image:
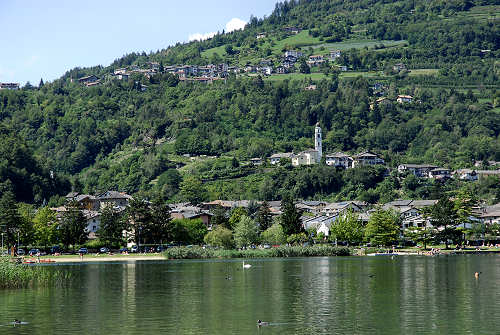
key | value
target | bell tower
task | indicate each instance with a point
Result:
(317, 142)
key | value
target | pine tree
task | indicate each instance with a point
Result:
(72, 227)
(9, 218)
(40, 85)
(264, 217)
(290, 219)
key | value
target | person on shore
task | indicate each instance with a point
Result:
(81, 256)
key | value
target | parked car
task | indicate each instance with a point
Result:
(104, 250)
(161, 248)
(134, 249)
(34, 252)
(83, 251)
(21, 252)
(55, 250)
(124, 250)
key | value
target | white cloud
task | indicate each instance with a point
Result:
(200, 37)
(235, 24)
(232, 25)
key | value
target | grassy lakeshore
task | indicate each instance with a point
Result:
(281, 251)
(13, 275)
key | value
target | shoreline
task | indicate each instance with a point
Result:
(91, 258)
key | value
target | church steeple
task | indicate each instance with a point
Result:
(317, 142)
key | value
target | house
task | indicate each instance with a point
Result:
(276, 158)
(113, 198)
(339, 159)
(315, 60)
(95, 83)
(439, 173)
(419, 170)
(281, 69)
(366, 158)
(292, 30)
(121, 76)
(334, 54)
(293, 53)
(492, 217)
(404, 99)
(266, 62)
(256, 161)
(88, 79)
(310, 88)
(487, 173)
(399, 67)
(320, 223)
(205, 216)
(343, 68)
(267, 70)
(9, 86)
(466, 174)
(378, 102)
(261, 35)
(307, 157)
(88, 202)
(93, 219)
(340, 207)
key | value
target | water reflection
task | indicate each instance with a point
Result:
(362, 295)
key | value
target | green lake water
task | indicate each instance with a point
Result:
(331, 295)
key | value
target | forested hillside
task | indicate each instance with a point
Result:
(134, 135)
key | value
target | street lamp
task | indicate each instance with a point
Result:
(2, 241)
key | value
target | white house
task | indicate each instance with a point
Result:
(334, 54)
(367, 158)
(339, 159)
(315, 60)
(308, 157)
(419, 170)
(276, 158)
(293, 53)
(466, 174)
(321, 223)
(439, 173)
(93, 222)
(404, 98)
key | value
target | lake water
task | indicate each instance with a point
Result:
(342, 295)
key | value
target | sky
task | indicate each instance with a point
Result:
(44, 39)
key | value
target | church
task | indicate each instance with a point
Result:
(310, 156)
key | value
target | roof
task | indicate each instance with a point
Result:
(418, 166)
(81, 197)
(365, 154)
(405, 96)
(439, 169)
(282, 155)
(491, 214)
(397, 203)
(113, 195)
(338, 155)
(71, 194)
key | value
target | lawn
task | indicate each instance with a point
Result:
(221, 51)
(421, 72)
(358, 44)
(302, 39)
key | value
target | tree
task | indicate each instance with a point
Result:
(192, 190)
(40, 85)
(72, 227)
(264, 217)
(219, 217)
(236, 215)
(303, 67)
(245, 232)
(139, 215)
(347, 227)
(383, 227)
(274, 235)
(26, 225)
(9, 218)
(45, 227)
(220, 237)
(161, 222)
(290, 219)
(112, 226)
(444, 217)
(419, 234)
(190, 231)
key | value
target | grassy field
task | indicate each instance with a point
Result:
(302, 39)
(421, 72)
(221, 51)
(357, 44)
(319, 76)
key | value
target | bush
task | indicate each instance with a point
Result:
(282, 251)
(14, 275)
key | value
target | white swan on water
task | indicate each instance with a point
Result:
(246, 266)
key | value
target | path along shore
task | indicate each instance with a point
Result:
(92, 258)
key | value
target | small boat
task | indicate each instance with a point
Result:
(47, 260)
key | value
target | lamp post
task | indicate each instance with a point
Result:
(2, 241)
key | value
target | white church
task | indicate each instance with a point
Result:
(310, 156)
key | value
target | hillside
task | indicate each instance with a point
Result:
(202, 109)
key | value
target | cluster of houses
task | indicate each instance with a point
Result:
(9, 86)
(367, 158)
(317, 216)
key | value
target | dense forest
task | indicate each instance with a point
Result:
(175, 135)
